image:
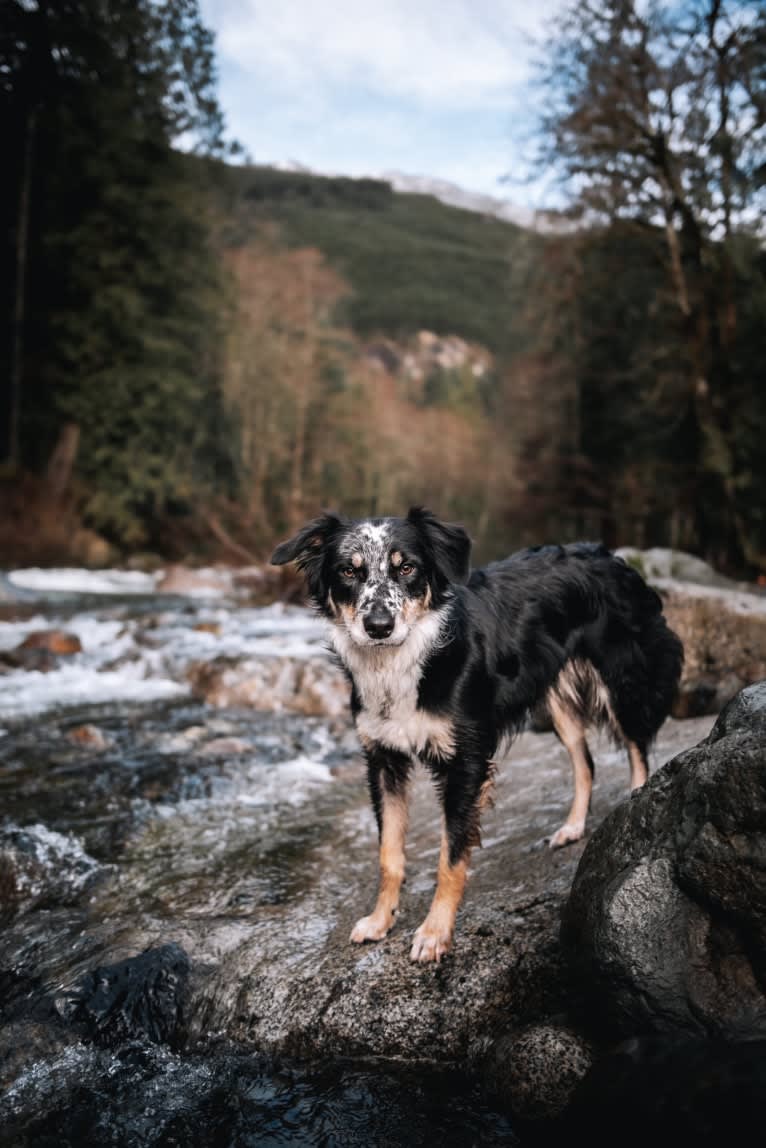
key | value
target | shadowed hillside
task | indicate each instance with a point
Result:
(411, 261)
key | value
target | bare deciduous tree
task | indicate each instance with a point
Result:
(656, 114)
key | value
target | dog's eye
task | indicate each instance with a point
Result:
(406, 568)
(349, 572)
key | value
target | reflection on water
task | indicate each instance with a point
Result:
(144, 1096)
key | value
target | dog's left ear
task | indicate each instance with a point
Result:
(449, 543)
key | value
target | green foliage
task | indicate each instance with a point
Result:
(412, 262)
(123, 319)
(625, 398)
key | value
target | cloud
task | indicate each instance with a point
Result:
(432, 87)
(435, 53)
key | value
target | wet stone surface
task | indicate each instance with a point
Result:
(203, 966)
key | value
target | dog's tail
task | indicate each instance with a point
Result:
(660, 647)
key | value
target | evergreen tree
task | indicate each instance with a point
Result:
(121, 278)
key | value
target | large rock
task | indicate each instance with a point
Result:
(721, 623)
(666, 922)
(188, 581)
(661, 564)
(258, 886)
(724, 637)
(59, 642)
(140, 997)
(266, 925)
(312, 686)
(39, 867)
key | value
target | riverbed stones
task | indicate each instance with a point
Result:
(311, 686)
(721, 623)
(536, 1071)
(665, 926)
(724, 637)
(203, 583)
(40, 867)
(141, 997)
(88, 736)
(59, 642)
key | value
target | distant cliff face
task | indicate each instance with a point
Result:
(426, 354)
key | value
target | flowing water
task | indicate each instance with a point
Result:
(139, 825)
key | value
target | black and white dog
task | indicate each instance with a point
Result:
(444, 665)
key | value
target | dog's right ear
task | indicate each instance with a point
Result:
(307, 547)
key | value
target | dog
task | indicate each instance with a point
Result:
(445, 663)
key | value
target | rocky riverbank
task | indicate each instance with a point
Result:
(180, 870)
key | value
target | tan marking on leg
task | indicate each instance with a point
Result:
(434, 937)
(394, 831)
(639, 770)
(572, 733)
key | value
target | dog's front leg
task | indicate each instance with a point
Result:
(466, 791)
(434, 937)
(388, 775)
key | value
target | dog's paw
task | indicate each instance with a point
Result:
(568, 833)
(430, 944)
(372, 928)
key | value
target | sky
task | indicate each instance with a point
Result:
(437, 88)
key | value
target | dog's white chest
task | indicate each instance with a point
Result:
(396, 722)
(387, 682)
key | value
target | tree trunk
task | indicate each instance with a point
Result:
(61, 463)
(19, 307)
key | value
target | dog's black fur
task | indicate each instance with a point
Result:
(443, 663)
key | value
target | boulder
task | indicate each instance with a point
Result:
(39, 867)
(724, 637)
(663, 564)
(287, 980)
(225, 747)
(59, 642)
(312, 686)
(721, 623)
(88, 737)
(665, 926)
(536, 1071)
(213, 628)
(140, 997)
(40, 651)
(185, 580)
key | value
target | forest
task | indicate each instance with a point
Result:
(200, 351)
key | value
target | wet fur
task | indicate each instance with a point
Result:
(472, 654)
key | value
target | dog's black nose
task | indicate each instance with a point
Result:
(379, 623)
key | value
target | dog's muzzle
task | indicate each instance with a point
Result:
(379, 623)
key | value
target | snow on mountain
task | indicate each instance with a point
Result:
(456, 196)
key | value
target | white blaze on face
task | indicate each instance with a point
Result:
(369, 545)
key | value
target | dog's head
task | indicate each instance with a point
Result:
(376, 577)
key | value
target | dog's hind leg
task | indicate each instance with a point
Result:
(639, 767)
(570, 728)
(388, 774)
